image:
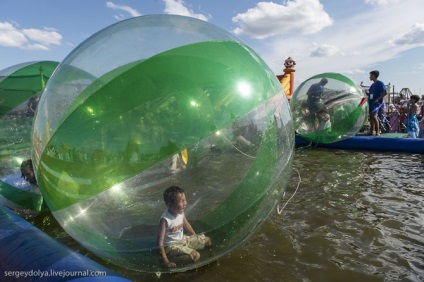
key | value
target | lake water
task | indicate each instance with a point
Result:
(356, 216)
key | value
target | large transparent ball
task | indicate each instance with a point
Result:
(328, 107)
(156, 101)
(20, 89)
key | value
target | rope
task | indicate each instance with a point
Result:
(279, 211)
(237, 148)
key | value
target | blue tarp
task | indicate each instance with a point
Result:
(370, 143)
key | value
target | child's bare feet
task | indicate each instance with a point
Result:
(208, 242)
(195, 256)
(170, 264)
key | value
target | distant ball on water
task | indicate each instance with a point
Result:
(156, 101)
(328, 107)
(20, 88)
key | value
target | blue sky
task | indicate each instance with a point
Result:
(351, 37)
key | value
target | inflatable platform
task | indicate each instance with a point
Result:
(28, 254)
(390, 142)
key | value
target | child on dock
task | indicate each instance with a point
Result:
(412, 120)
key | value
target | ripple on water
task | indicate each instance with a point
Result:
(363, 215)
(356, 217)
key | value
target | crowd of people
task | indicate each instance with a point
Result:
(404, 116)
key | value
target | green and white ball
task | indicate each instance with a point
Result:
(344, 109)
(119, 111)
(20, 88)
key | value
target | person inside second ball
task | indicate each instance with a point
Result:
(176, 247)
(315, 102)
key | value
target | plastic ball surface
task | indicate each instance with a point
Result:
(20, 89)
(328, 107)
(152, 102)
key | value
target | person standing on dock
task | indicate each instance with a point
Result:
(376, 95)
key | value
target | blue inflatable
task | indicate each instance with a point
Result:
(369, 143)
(28, 254)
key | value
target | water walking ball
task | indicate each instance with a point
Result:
(152, 102)
(20, 88)
(328, 107)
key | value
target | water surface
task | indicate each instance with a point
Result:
(356, 216)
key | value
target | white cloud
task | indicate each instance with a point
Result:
(413, 37)
(325, 50)
(133, 12)
(381, 2)
(47, 37)
(356, 71)
(36, 47)
(177, 7)
(10, 36)
(35, 39)
(355, 44)
(295, 16)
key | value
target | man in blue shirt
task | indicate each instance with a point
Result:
(376, 95)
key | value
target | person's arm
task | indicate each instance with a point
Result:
(412, 109)
(367, 92)
(384, 94)
(160, 239)
(420, 113)
(310, 90)
(30, 107)
(381, 97)
(187, 227)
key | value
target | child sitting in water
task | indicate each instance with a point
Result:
(173, 244)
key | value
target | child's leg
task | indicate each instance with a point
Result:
(182, 254)
(186, 251)
(198, 242)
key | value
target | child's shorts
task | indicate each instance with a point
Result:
(186, 246)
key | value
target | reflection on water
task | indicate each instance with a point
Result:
(357, 216)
